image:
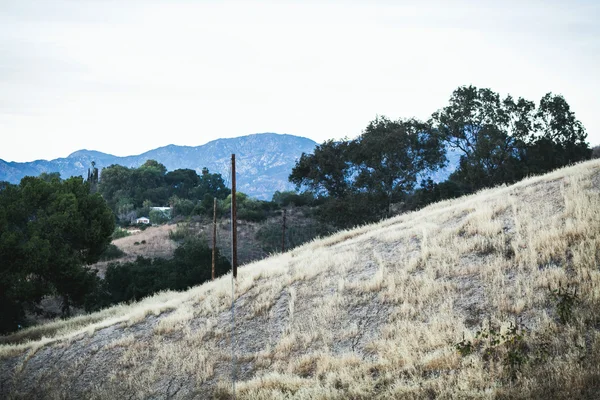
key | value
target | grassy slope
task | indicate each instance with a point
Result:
(374, 312)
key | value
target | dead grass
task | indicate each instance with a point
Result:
(374, 312)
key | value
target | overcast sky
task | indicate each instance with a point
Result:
(126, 76)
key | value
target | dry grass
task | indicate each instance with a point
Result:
(374, 312)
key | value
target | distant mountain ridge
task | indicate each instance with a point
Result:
(263, 161)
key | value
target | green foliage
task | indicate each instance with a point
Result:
(49, 230)
(352, 210)
(596, 152)
(566, 299)
(464, 347)
(158, 217)
(500, 140)
(290, 198)
(488, 132)
(361, 178)
(509, 348)
(181, 207)
(390, 155)
(191, 265)
(119, 233)
(131, 192)
(248, 209)
(178, 234)
(111, 253)
(327, 171)
(431, 192)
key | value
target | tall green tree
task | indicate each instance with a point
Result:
(50, 230)
(211, 184)
(559, 138)
(391, 155)
(489, 133)
(182, 182)
(327, 171)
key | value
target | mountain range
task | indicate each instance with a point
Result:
(263, 161)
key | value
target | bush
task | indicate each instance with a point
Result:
(111, 253)
(119, 233)
(158, 217)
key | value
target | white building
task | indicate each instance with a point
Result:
(142, 220)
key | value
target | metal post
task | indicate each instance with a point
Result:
(214, 247)
(283, 233)
(233, 220)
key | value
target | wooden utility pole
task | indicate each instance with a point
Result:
(214, 249)
(283, 233)
(233, 220)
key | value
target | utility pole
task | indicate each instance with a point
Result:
(233, 220)
(233, 271)
(214, 249)
(283, 233)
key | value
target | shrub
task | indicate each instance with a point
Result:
(120, 233)
(565, 298)
(111, 253)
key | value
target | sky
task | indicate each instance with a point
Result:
(127, 76)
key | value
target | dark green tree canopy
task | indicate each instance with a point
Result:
(504, 140)
(327, 171)
(390, 155)
(499, 140)
(49, 230)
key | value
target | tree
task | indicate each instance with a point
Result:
(181, 182)
(559, 139)
(490, 133)
(327, 171)
(391, 155)
(49, 232)
(116, 183)
(211, 184)
(157, 217)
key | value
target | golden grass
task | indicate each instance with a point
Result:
(374, 312)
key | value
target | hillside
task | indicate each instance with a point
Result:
(263, 161)
(256, 240)
(390, 310)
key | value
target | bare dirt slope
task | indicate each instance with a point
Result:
(494, 295)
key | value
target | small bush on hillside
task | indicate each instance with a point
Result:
(566, 299)
(120, 233)
(181, 233)
(112, 252)
(509, 348)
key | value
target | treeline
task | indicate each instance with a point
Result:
(131, 192)
(388, 167)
